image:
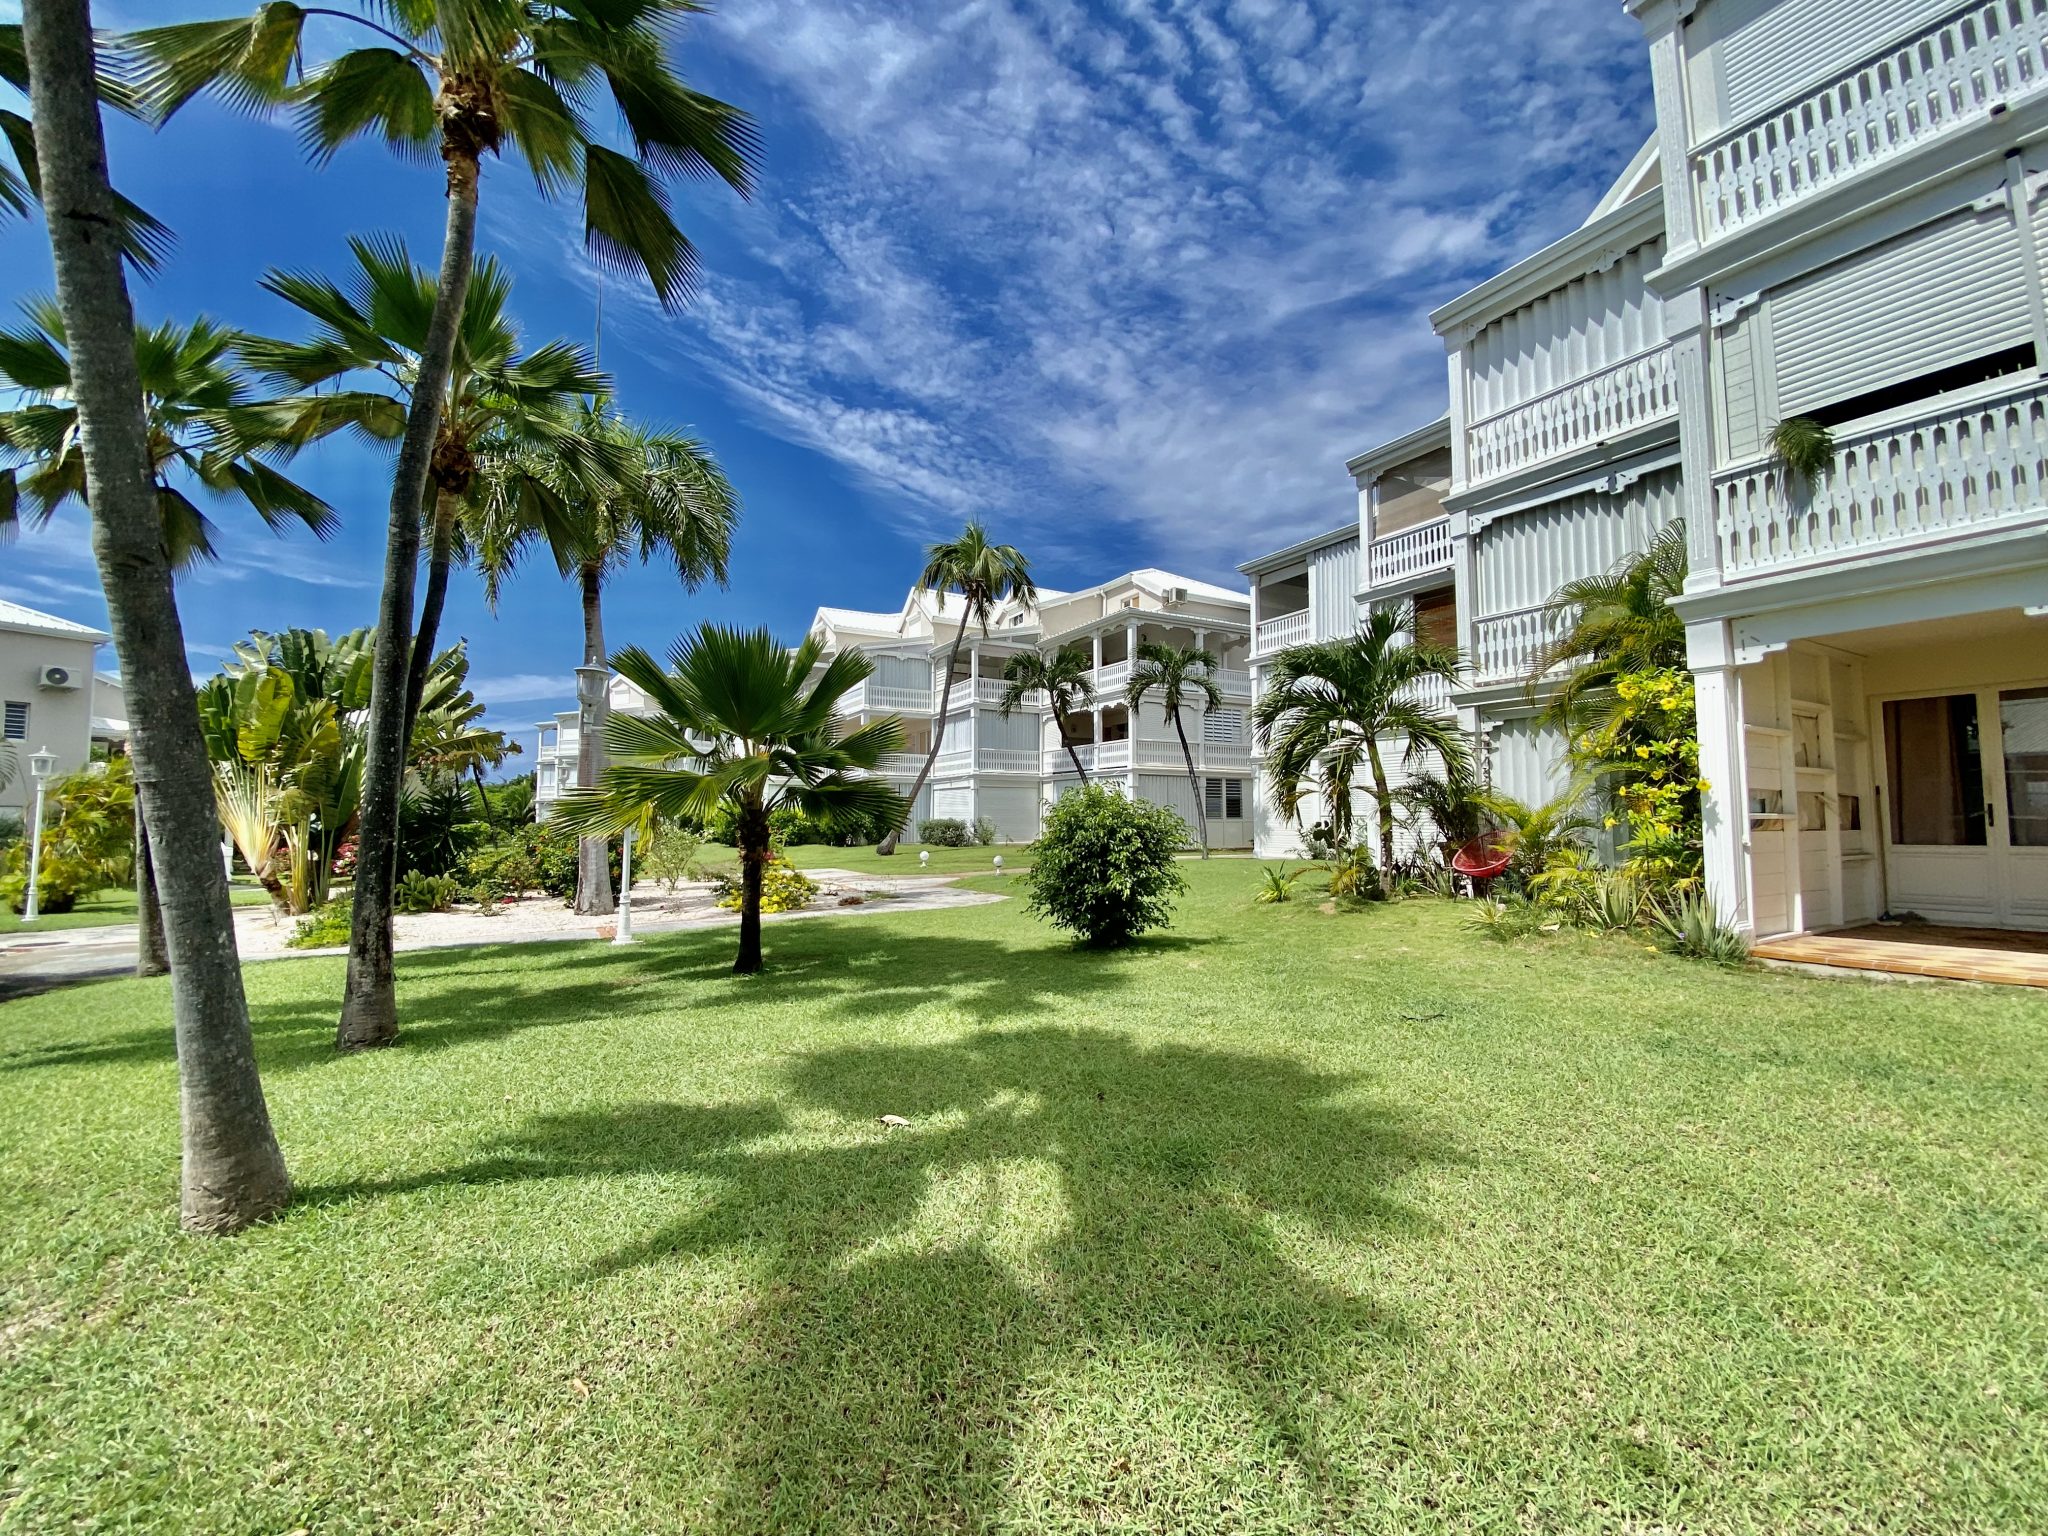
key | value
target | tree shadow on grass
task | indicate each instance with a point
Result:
(1085, 1265)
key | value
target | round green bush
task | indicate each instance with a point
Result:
(1104, 869)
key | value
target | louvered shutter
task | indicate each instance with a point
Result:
(1752, 55)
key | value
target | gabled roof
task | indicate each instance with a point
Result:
(16, 619)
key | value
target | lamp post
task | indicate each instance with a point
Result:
(40, 766)
(624, 932)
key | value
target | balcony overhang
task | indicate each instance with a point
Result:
(1593, 248)
(1297, 554)
(1609, 467)
(1375, 462)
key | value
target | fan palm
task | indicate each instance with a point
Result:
(1617, 622)
(738, 726)
(463, 78)
(145, 241)
(1182, 678)
(1066, 680)
(208, 432)
(1329, 706)
(650, 494)
(984, 575)
(497, 399)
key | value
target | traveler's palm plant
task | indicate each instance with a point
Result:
(1181, 679)
(462, 79)
(738, 726)
(1336, 706)
(1067, 681)
(1608, 625)
(984, 575)
(209, 433)
(641, 493)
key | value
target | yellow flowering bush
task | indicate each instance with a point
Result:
(1647, 753)
(784, 888)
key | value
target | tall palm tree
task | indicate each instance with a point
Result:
(985, 575)
(207, 431)
(649, 494)
(497, 399)
(1066, 680)
(1329, 706)
(1617, 622)
(1182, 678)
(145, 241)
(463, 78)
(739, 726)
(233, 1172)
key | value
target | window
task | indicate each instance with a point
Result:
(1223, 727)
(2023, 720)
(1223, 798)
(15, 727)
(1935, 758)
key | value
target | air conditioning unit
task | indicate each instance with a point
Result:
(1176, 595)
(59, 677)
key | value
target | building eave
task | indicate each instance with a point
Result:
(1410, 445)
(1302, 550)
(1588, 249)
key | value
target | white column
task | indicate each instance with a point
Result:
(1724, 804)
(624, 933)
(1675, 133)
(1685, 320)
(973, 733)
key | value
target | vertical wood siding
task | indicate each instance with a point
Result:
(1333, 590)
(1588, 325)
(1524, 558)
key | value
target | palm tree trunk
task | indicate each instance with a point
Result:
(755, 851)
(1201, 806)
(938, 738)
(151, 957)
(1383, 808)
(440, 552)
(593, 854)
(369, 1004)
(233, 1172)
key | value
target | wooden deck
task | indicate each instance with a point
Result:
(1999, 956)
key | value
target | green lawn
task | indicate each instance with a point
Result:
(109, 908)
(945, 861)
(1285, 1222)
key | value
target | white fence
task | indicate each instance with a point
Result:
(1596, 409)
(1411, 552)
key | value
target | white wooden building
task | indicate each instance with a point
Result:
(1836, 220)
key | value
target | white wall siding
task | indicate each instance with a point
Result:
(1948, 292)
(1333, 591)
(1589, 324)
(1745, 56)
(1522, 559)
(1739, 361)
(903, 671)
(1014, 808)
(1175, 793)
(1527, 759)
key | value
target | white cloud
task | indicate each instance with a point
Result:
(522, 688)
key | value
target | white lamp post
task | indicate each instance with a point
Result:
(924, 858)
(40, 766)
(624, 932)
(999, 863)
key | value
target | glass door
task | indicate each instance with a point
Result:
(2023, 764)
(1938, 819)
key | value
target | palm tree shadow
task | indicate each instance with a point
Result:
(1067, 1212)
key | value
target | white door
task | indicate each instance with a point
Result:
(1965, 810)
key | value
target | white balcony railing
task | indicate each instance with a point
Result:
(1597, 409)
(1278, 634)
(1943, 470)
(874, 698)
(1432, 693)
(1110, 678)
(1504, 644)
(987, 760)
(1234, 684)
(1977, 57)
(1411, 552)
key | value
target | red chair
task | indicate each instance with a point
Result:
(1485, 857)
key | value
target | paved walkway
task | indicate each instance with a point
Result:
(39, 962)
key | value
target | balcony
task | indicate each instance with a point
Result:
(1505, 644)
(1279, 633)
(1111, 756)
(1941, 470)
(1599, 408)
(987, 760)
(872, 697)
(1976, 58)
(1432, 693)
(1411, 552)
(1110, 678)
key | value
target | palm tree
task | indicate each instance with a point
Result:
(233, 1172)
(985, 575)
(207, 432)
(1181, 677)
(1617, 622)
(463, 78)
(1066, 680)
(145, 241)
(1328, 707)
(653, 494)
(739, 727)
(496, 400)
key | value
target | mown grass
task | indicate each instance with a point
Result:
(108, 909)
(1283, 1222)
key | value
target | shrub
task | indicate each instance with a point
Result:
(942, 832)
(1103, 868)
(554, 851)
(1353, 877)
(325, 927)
(88, 840)
(506, 867)
(1276, 883)
(784, 888)
(984, 831)
(1694, 927)
(437, 825)
(417, 892)
(1511, 917)
(670, 857)
(789, 827)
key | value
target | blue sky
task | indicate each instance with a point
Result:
(1127, 279)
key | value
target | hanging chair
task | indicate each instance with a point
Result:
(1484, 857)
